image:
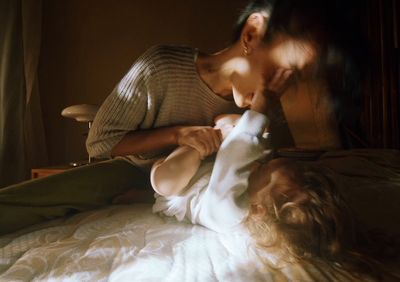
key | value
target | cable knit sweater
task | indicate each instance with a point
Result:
(162, 88)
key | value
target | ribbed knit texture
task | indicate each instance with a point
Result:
(162, 88)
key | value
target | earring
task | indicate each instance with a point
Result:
(245, 49)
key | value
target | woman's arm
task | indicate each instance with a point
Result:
(204, 139)
(171, 175)
(118, 128)
(145, 141)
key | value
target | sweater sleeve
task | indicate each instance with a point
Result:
(225, 202)
(123, 110)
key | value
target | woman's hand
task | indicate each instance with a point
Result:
(266, 97)
(205, 139)
(280, 81)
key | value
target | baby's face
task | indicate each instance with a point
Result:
(273, 176)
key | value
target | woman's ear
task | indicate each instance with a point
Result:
(253, 32)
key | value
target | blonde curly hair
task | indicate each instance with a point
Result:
(308, 220)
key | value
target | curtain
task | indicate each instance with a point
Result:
(21, 127)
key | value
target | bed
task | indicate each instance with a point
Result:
(130, 243)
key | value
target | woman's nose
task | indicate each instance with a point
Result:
(243, 103)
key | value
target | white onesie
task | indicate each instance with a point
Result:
(216, 196)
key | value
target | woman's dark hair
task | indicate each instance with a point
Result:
(257, 6)
(342, 49)
(295, 18)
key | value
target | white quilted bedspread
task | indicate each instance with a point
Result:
(129, 243)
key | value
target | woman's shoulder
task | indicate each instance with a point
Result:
(168, 53)
(161, 60)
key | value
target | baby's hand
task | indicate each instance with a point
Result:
(226, 123)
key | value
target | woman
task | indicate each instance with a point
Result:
(170, 97)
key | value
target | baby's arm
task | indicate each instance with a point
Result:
(171, 175)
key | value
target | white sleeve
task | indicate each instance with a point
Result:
(225, 203)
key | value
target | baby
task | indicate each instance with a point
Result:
(291, 205)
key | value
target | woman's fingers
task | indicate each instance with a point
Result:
(276, 78)
(265, 97)
(204, 139)
(280, 80)
(212, 141)
(201, 147)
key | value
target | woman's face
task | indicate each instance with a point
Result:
(255, 70)
(246, 80)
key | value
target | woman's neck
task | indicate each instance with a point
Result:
(215, 72)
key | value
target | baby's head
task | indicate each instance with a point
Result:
(295, 207)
